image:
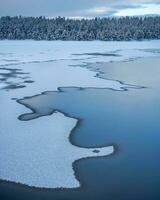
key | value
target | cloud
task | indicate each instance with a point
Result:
(145, 9)
(71, 8)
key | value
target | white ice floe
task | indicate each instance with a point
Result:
(52, 75)
(19, 52)
(38, 152)
(43, 143)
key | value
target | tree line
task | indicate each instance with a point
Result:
(60, 28)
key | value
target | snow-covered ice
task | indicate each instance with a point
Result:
(38, 152)
(17, 52)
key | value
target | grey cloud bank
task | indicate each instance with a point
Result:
(76, 8)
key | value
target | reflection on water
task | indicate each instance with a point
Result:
(128, 119)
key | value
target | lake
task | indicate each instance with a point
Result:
(111, 89)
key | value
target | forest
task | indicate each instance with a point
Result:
(60, 28)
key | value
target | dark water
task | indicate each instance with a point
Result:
(128, 119)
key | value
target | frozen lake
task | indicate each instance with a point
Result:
(36, 148)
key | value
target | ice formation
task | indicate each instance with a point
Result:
(38, 152)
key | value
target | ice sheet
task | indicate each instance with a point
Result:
(38, 152)
(19, 52)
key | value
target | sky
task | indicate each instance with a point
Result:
(79, 8)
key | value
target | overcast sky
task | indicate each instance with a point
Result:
(79, 8)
